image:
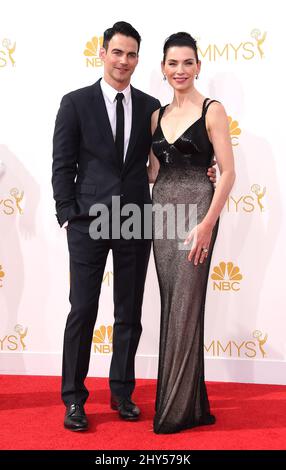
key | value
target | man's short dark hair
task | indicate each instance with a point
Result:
(121, 27)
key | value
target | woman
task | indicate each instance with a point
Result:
(186, 135)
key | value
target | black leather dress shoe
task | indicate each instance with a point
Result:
(126, 408)
(75, 418)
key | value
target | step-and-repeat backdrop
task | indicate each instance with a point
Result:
(49, 49)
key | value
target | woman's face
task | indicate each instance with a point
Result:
(181, 67)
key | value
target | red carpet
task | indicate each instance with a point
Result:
(248, 417)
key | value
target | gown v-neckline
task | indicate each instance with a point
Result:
(181, 135)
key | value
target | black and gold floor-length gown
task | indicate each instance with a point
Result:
(182, 400)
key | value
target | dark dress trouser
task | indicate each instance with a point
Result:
(87, 264)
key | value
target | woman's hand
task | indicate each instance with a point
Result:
(201, 236)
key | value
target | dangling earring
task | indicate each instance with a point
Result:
(197, 77)
(164, 77)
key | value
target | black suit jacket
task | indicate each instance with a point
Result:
(85, 165)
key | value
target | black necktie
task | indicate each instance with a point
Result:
(119, 138)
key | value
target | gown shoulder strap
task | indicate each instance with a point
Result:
(206, 105)
(161, 112)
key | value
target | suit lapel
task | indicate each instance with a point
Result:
(137, 118)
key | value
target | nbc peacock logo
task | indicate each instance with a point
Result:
(91, 52)
(7, 49)
(226, 277)
(102, 339)
(234, 131)
(2, 275)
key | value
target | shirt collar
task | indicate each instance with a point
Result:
(111, 93)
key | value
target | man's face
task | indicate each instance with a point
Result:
(120, 60)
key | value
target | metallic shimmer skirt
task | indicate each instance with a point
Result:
(181, 400)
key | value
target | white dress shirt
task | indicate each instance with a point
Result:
(109, 95)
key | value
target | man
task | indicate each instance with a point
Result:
(101, 143)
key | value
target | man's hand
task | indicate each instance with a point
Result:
(212, 172)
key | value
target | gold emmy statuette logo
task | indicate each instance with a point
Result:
(6, 54)
(102, 339)
(22, 332)
(247, 203)
(255, 188)
(107, 278)
(2, 274)
(234, 131)
(15, 193)
(92, 52)
(226, 277)
(261, 341)
(256, 34)
(238, 348)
